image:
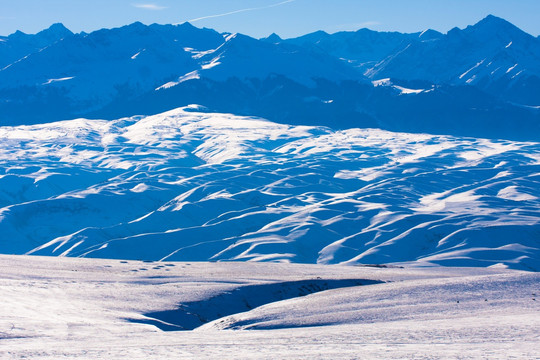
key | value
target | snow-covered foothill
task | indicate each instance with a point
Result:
(190, 185)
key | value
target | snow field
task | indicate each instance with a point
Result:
(84, 308)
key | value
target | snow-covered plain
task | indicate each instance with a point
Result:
(193, 186)
(55, 308)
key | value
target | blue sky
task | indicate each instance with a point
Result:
(259, 18)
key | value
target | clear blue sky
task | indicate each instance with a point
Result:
(259, 18)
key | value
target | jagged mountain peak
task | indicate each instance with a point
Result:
(186, 25)
(492, 20)
(54, 33)
(58, 28)
(273, 38)
(320, 33)
(19, 44)
(317, 34)
(17, 35)
(494, 26)
(241, 41)
(137, 27)
(429, 34)
(364, 31)
(166, 36)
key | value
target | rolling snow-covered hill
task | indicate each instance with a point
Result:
(191, 185)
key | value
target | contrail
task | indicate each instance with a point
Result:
(240, 11)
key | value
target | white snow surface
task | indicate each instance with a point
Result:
(110, 309)
(50, 81)
(193, 186)
(402, 90)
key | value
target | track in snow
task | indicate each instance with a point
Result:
(191, 315)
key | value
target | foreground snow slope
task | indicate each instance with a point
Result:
(187, 185)
(89, 309)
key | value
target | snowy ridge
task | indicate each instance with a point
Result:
(188, 185)
(401, 89)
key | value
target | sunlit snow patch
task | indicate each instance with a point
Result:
(511, 193)
(50, 81)
(194, 75)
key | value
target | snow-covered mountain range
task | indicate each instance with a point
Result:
(493, 55)
(136, 224)
(481, 81)
(337, 166)
(190, 185)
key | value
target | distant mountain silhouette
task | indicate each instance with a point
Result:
(493, 55)
(481, 81)
(18, 45)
